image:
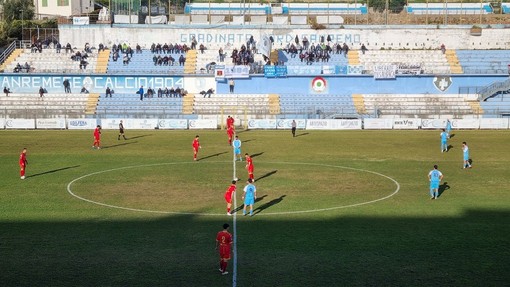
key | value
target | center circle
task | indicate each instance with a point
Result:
(283, 187)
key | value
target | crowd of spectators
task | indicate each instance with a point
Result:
(169, 48)
(26, 68)
(320, 52)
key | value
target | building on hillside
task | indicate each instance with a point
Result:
(66, 8)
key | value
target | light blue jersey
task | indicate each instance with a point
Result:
(249, 197)
(237, 146)
(448, 127)
(444, 141)
(465, 151)
(435, 178)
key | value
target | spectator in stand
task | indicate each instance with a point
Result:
(69, 49)
(101, 47)
(443, 48)
(125, 59)
(58, 47)
(221, 54)
(160, 93)
(363, 49)
(345, 49)
(182, 60)
(138, 49)
(83, 64)
(108, 92)
(193, 43)
(231, 85)
(87, 48)
(7, 91)
(150, 92)
(41, 92)
(171, 92)
(26, 67)
(84, 90)
(115, 56)
(201, 48)
(67, 86)
(140, 92)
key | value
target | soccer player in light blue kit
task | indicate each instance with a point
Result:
(249, 196)
(444, 141)
(448, 127)
(237, 149)
(435, 177)
(465, 152)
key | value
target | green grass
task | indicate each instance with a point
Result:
(50, 238)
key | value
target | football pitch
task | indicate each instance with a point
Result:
(334, 208)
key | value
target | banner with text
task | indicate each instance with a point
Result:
(378, 124)
(81, 124)
(262, 124)
(20, 124)
(406, 124)
(30, 83)
(333, 124)
(203, 124)
(487, 123)
(433, 124)
(286, 124)
(384, 72)
(130, 124)
(172, 124)
(466, 124)
(50, 124)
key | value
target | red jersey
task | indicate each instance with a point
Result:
(224, 238)
(230, 131)
(97, 133)
(228, 194)
(196, 143)
(23, 159)
(230, 122)
(249, 162)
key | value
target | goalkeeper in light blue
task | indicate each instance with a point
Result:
(435, 177)
(444, 141)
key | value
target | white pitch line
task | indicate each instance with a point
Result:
(234, 223)
(69, 190)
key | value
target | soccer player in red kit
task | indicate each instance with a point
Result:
(230, 122)
(249, 166)
(23, 162)
(230, 133)
(97, 137)
(224, 241)
(228, 196)
(196, 146)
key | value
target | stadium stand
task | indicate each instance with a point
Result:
(130, 106)
(407, 61)
(143, 62)
(275, 9)
(253, 104)
(49, 106)
(417, 105)
(484, 61)
(497, 106)
(44, 62)
(505, 8)
(449, 8)
(332, 105)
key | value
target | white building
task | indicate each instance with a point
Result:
(66, 8)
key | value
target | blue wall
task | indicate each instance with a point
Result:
(356, 84)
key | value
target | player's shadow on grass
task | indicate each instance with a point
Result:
(442, 188)
(452, 135)
(240, 207)
(267, 175)
(117, 145)
(212, 155)
(449, 148)
(135, 137)
(303, 134)
(257, 154)
(245, 141)
(53, 171)
(268, 204)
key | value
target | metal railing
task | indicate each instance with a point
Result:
(493, 89)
